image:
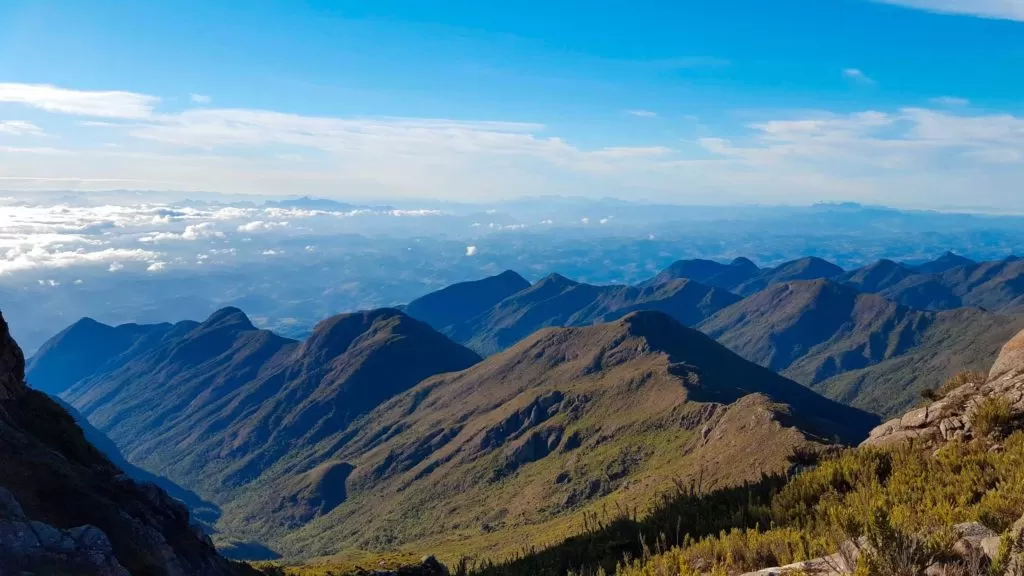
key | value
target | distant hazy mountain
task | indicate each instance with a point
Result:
(859, 348)
(947, 283)
(810, 268)
(877, 277)
(742, 276)
(564, 420)
(947, 261)
(460, 302)
(85, 347)
(726, 276)
(558, 301)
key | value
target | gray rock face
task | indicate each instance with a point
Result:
(953, 417)
(35, 547)
(12, 365)
(65, 509)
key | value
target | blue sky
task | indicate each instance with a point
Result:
(902, 102)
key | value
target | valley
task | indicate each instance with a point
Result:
(496, 416)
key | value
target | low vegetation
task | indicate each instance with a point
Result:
(993, 416)
(902, 501)
(959, 379)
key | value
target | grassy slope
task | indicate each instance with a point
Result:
(645, 397)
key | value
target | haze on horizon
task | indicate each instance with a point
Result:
(904, 103)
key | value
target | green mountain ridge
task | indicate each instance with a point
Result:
(341, 441)
(861, 349)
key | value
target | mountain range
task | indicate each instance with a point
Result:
(341, 440)
(873, 337)
(497, 414)
(558, 301)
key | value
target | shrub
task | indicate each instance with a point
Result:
(961, 378)
(993, 415)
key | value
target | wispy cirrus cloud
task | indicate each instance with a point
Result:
(950, 101)
(642, 113)
(20, 128)
(857, 75)
(892, 156)
(103, 104)
(200, 98)
(996, 9)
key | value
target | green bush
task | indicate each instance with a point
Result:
(993, 416)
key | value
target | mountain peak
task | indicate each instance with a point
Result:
(334, 335)
(228, 316)
(743, 262)
(460, 302)
(649, 323)
(512, 276)
(947, 261)
(556, 279)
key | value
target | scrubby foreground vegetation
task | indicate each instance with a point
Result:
(905, 502)
(901, 509)
(901, 506)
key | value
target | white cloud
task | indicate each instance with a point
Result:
(470, 250)
(38, 257)
(20, 128)
(191, 233)
(642, 113)
(585, 220)
(950, 101)
(260, 225)
(857, 75)
(910, 156)
(202, 230)
(200, 98)
(103, 104)
(115, 266)
(893, 156)
(272, 252)
(156, 266)
(997, 9)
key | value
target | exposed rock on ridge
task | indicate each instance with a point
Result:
(956, 415)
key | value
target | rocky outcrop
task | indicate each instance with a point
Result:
(975, 551)
(429, 566)
(32, 546)
(957, 415)
(66, 509)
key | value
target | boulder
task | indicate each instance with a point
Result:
(950, 419)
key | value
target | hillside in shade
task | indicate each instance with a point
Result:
(460, 302)
(216, 406)
(558, 301)
(67, 509)
(861, 349)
